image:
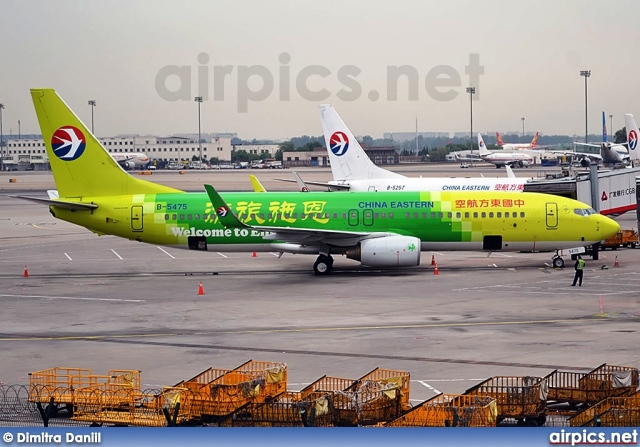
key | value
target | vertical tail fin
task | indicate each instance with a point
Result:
(632, 137)
(348, 160)
(81, 166)
(499, 139)
(482, 147)
(534, 142)
(604, 129)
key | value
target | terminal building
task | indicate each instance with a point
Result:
(29, 154)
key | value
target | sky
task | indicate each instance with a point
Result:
(263, 67)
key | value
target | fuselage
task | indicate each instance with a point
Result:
(510, 184)
(491, 221)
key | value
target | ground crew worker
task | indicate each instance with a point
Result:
(579, 267)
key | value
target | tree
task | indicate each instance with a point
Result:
(620, 136)
(287, 146)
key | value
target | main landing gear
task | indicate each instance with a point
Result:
(323, 265)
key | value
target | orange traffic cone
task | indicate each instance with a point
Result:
(254, 255)
(433, 259)
(200, 289)
(616, 264)
(435, 270)
(26, 272)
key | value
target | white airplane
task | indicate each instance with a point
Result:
(610, 153)
(516, 146)
(353, 170)
(501, 159)
(130, 160)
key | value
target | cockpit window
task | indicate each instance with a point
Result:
(584, 211)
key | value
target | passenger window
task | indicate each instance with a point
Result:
(383, 215)
(407, 216)
(174, 217)
(440, 215)
(499, 214)
(390, 215)
(344, 215)
(166, 217)
(506, 214)
(189, 217)
(416, 215)
(483, 215)
(522, 214)
(449, 214)
(491, 214)
(475, 214)
(375, 215)
(466, 214)
(197, 216)
(181, 216)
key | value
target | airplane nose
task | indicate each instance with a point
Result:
(608, 226)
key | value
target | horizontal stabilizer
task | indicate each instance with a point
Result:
(73, 206)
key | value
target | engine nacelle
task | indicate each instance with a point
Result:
(388, 251)
(128, 165)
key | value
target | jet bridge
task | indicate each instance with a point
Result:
(613, 194)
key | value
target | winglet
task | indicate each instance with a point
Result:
(224, 213)
(510, 173)
(301, 184)
(257, 186)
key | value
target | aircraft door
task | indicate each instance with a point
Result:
(136, 217)
(353, 218)
(552, 215)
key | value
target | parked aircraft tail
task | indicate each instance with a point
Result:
(499, 139)
(80, 164)
(534, 142)
(348, 160)
(482, 147)
(604, 129)
(632, 137)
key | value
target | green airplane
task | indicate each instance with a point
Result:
(379, 229)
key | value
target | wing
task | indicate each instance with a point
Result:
(333, 186)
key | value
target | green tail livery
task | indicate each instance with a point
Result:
(379, 229)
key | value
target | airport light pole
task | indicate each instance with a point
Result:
(471, 91)
(611, 125)
(1, 140)
(586, 74)
(198, 99)
(92, 103)
(522, 126)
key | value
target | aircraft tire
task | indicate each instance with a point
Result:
(558, 262)
(323, 265)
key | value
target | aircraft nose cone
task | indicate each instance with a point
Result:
(608, 226)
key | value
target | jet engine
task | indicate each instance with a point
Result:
(388, 251)
(128, 165)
